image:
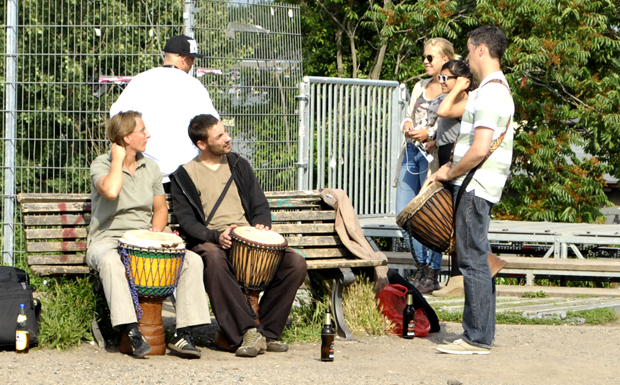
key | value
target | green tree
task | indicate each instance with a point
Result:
(562, 63)
(563, 66)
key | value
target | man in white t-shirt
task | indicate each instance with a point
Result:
(486, 119)
(168, 98)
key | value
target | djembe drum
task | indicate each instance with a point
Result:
(153, 262)
(255, 256)
(429, 218)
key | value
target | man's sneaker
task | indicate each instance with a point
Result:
(451, 339)
(139, 345)
(183, 345)
(253, 344)
(461, 347)
(277, 346)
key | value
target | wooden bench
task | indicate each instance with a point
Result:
(56, 225)
(530, 267)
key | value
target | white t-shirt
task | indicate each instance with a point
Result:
(489, 106)
(168, 99)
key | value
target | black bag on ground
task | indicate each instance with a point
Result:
(15, 290)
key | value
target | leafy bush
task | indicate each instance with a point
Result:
(68, 307)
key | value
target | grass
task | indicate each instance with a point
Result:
(361, 312)
(359, 307)
(68, 306)
(599, 316)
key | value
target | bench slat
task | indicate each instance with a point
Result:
(71, 259)
(321, 228)
(308, 194)
(44, 270)
(57, 220)
(64, 233)
(62, 207)
(284, 203)
(51, 197)
(286, 216)
(322, 252)
(316, 264)
(50, 247)
(329, 240)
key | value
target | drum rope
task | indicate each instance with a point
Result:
(418, 264)
(249, 301)
(132, 286)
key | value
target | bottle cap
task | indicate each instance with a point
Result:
(21, 306)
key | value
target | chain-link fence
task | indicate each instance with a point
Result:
(65, 63)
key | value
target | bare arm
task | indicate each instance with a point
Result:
(483, 137)
(160, 213)
(453, 105)
(109, 186)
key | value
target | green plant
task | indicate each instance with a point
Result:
(591, 317)
(68, 307)
(538, 294)
(307, 322)
(360, 309)
(595, 316)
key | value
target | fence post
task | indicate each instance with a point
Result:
(303, 136)
(188, 23)
(11, 123)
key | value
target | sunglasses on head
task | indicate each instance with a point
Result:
(427, 57)
(444, 78)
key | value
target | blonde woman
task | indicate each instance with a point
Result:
(127, 194)
(419, 126)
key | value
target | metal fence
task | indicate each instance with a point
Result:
(349, 138)
(64, 63)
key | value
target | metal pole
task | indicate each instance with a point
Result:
(302, 141)
(11, 127)
(188, 23)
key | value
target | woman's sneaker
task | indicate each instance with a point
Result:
(139, 345)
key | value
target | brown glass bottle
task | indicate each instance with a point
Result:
(327, 339)
(22, 336)
(409, 318)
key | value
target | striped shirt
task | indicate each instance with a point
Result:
(489, 106)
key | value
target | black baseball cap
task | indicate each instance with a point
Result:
(182, 45)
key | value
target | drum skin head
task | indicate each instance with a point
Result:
(145, 238)
(261, 236)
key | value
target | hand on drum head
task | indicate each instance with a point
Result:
(440, 175)
(225, 240)
(154, 229)
(259, 226)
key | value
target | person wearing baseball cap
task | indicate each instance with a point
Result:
(182, 45)
(168, 98)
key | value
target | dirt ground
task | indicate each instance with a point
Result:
(522, 355)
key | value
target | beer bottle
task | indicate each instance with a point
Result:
(22, 336)
(327, 339)
(409, 318)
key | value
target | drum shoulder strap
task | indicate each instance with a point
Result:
(219, 200)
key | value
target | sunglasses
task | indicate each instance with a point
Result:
(444, 78)
(427, 57)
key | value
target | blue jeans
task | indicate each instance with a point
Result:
(413, 172)
(472, 246)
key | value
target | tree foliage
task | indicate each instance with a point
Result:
(562, 64)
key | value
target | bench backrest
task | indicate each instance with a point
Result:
(56, 226)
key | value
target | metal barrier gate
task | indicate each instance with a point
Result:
(349, 138)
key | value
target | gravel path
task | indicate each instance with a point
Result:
(522, 355)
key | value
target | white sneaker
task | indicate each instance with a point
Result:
(461, 347)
